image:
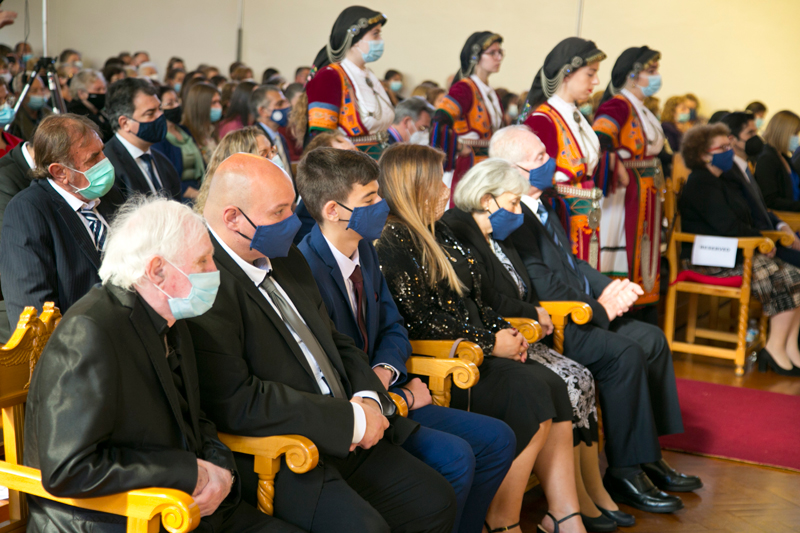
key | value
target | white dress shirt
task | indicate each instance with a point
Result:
(27, 155)
(346, 266)
(77, 204)
(584, 134)
(654, 135)
(374, 106)
(533, 204)
(257, 272)
(136, 153)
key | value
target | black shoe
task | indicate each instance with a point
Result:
(598, 524)
(640, 493)
(622, 518)
(667, 478)
(765, 361)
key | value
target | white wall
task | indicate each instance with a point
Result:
(728, 52)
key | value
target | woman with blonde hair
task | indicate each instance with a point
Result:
(675, 121)
(248, 140)
(434, 280)
(201, 110)
(775, 175)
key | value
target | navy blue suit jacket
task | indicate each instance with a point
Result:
(386, 332)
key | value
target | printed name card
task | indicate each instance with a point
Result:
(714, 251)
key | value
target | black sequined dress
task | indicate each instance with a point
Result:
(524, 395)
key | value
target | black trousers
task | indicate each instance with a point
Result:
(244, 518)
(380, 490)
(632, 367)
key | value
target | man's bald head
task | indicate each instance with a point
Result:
(514, 144)
(247, 186)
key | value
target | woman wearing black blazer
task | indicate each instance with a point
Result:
(710, 204)
(488, 188)
(774, 173)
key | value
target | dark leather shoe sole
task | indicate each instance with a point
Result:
(681, 487)
(664, 508)
(622, 518)
(598, 524)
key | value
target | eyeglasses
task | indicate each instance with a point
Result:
(496, 53)
(720, 149)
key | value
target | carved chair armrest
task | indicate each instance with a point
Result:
(762, 244)
(579, 312)
(402, 406)
(779, 237)
(529, 328)
(465, 374)
(300, 453)
(144, 508)
(466, 350)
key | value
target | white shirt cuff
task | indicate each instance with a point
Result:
(781, 225)
(395, 373)
(360, 423)
(359, 418)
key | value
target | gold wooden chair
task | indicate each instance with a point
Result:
(739, 293)
(791, 218)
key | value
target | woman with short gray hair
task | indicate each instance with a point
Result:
(488, 211)
(88, 91)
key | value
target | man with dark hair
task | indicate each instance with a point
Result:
(340, 188)
(271, 110)
(134, 110)
(301, 75)
(54, 231)
(412, 120)
(746, 145)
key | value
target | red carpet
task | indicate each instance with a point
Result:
(737, 423)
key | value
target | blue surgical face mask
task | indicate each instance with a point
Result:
(177, 87)
(6, 114)
(504, 222)
(26, 58)
(794, 143)
(375, 52)
(200, 299)
(542, 177)
(36, 102)
(100, 177)
(586, 109)
(653, 85)
(276, 239)
(396, 86)
(759, 123)
(723, 161)
(215, 114)
(153, 132)
(683, 117)
(281, 116)
(369, 220)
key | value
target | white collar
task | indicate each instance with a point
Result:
(27, 155)
(741, 163)
(491, 101)
(653, 132)
(75, 203)
(135, 152)
(346, 264)
(256, 273)
(532, 203)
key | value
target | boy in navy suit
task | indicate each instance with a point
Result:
(340, 190)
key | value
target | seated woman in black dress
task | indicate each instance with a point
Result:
(775, 174)
(435, 283)
(488, 210)
(713, 204)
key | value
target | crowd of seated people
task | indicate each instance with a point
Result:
(224, 264)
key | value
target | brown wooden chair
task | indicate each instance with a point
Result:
(714, 288)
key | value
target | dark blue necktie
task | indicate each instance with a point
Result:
(148, 161)
(97, 227)
(544, 216)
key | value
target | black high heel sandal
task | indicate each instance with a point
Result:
(765, 360)
(555, 522)
(499, 529)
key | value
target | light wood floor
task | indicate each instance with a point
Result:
(737, 497)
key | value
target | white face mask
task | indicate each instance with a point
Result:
(420, 137)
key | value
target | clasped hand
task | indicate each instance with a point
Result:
(509, 343)
(376, 423)
(618, 297)
(213, 486)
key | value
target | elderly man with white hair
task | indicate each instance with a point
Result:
(630, 360)
(113, 404)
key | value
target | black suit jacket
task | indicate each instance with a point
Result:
(550, 271)
(129, 177)
(46, 253)
(103, 415)
(14, 176)
(763, 219)
(498, 287)
(775, 181)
